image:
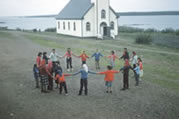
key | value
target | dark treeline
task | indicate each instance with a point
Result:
(148, 13)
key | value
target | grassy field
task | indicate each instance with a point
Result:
(157, 96)
(160, 62)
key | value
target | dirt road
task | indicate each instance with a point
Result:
(20, 100)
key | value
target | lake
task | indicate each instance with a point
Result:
(156, 22)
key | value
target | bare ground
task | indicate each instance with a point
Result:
(20, 100)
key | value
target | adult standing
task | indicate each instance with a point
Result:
(44, 76)
(50, 79)
(125, 54)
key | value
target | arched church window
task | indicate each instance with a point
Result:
(103, 14)
(112, 25)
(88, 26)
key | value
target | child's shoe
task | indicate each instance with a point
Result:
(68, 70)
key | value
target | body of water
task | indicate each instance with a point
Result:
(156, 22)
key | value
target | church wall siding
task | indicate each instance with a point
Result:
(70, 31)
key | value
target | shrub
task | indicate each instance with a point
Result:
(168, 30)
(130, 29)
(150, 30)
(177, 32)
(34, 30)
(18, 29)
(50, 30)
(143, 39)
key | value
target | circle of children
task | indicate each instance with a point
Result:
(47, 69)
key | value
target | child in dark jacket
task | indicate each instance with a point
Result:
(84, 78)
(57, 68)
(62, 81)
(125, 70)
(36, 75)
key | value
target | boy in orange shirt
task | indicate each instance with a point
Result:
(61, 79)
(109, 77)
(83, 57)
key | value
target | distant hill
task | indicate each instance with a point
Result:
(148, 13)
(37, 16)
(126, 14)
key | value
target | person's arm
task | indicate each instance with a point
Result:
(76, 73)
(121, 69)
(50, 56)
(67, 74)
(87, 56)
(100, 55)
(122, 57)
(48, 72)
(90, 72)
(93, 55)
(115, 71)
(65, 55)
(101, 73)
(116, 57)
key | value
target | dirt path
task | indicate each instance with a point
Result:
(20, 100)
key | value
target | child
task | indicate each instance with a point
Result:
(97, 56)
(141, 67)
(57, 68)
(109, 77)
(83, 57)
(125, 54)
(61, 79)
(36, 75)
(68, 56)
(137, 74)
(125, 70)
(54, 57)
(38, 59)
(112, 58)
(45, 57)
(84, 78)
(134, 59)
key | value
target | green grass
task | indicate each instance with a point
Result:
(4, 34)
(159, 68)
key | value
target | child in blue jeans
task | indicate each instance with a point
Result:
(36, 75)
(137, 74)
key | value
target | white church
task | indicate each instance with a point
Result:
(88, 18)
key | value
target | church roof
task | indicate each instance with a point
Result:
(75, 9)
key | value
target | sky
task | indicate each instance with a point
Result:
(45, 7)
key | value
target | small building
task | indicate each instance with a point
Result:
(86, 18)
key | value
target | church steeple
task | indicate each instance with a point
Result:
(102, 13)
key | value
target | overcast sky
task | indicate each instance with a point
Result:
(42, 7)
